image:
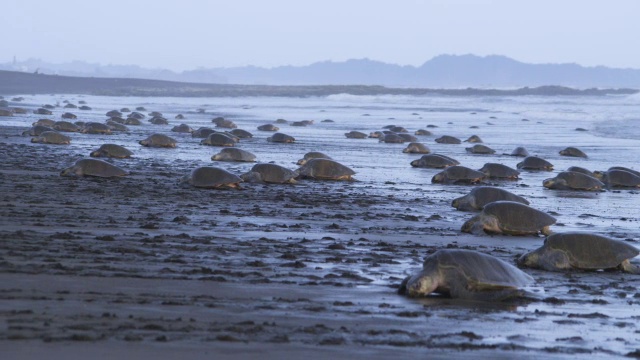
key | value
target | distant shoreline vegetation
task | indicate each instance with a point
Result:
(12, 82)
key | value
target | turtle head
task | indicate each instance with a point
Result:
(96, 153)
(475, 225)
(418, 285)
(549, 183)
(438, 178)
(415, 163)
(529, 259)
(72, 171)
(600, 175)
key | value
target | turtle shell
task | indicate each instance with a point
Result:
(573, 180)
(520, 151)
(95, 128)
(572, 151)
(581, 170)
(474, 139)
(37, 130)
(268, 127)
(212, 177)
(44, 122)
(271, 173)
(621, 178)
(535, 163)
(457, 174)
(480, 149)
(446, 139)
(480, 196)
(480, 271)
(416, 148)
(281, 138)
(355, 135)
(392, 138)
(159, 120)
(93, 167)
(437, 161)
(112, 150)
(133, 121)
(182, 128)
(202, 132)
(313, 155)
(325, 169)
(423, 132)
(241, 134)
(234, 154)
(159, 140)
(499, 171)
(218, 139)
(591, 251)
(408, 137)
(515, 217)
(51, 137)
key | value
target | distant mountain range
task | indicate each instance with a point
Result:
(444, 71)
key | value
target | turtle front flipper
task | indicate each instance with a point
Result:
(627, 266)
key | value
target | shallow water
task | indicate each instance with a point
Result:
(576, 323)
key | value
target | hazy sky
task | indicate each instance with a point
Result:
(187, 34)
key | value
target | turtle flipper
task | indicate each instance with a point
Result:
(627, 266)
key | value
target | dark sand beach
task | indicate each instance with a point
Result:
(145, 267)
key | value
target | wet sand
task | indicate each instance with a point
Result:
(144, 267)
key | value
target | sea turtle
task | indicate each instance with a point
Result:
(125, 110)
(133, 121)
(480, 196)
(203, 132)
(327, 121)
(281, 138)
(466, 274)
(570, 180)
(211, 177)
(581, 170)
(159, 120)
(117, 119)
(42, 111)
(136, 115)
(51, 137)
(65, 126)
(241, 134)
(392, 138)
(458, 175)
(93, 167)
(355, 135)
(268, 127)
(437, 161)
(578, 250)
(70, 106)
(223, 123)
(234, 154)
(572, 151)
(155, 113)
(376, 134)
(520, 151)
(95, 128)
(474, 139)
(36, 130)
(398, 129)
(85, 107)
(116, 126)
(45, 122)
(509, 217)
(423, 132)
(618, 178)
(6, 112)
(182, 128)
(113, 113)
(480, 149)
(68, 115)
(218, 139)
(313, 155)
(111, 150)
(141, 108)
(281, 121)
(408, 137)
(432, 126)
(179, 117)
(446, 139)
(499, 171)
(325, 169)
(416, 148)
(159, 140)
(270, 173)
(535, 163)
(636, 172)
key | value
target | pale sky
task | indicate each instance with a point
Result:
(187, 34)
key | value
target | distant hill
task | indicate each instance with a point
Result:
(444, 71)
(15, 82)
